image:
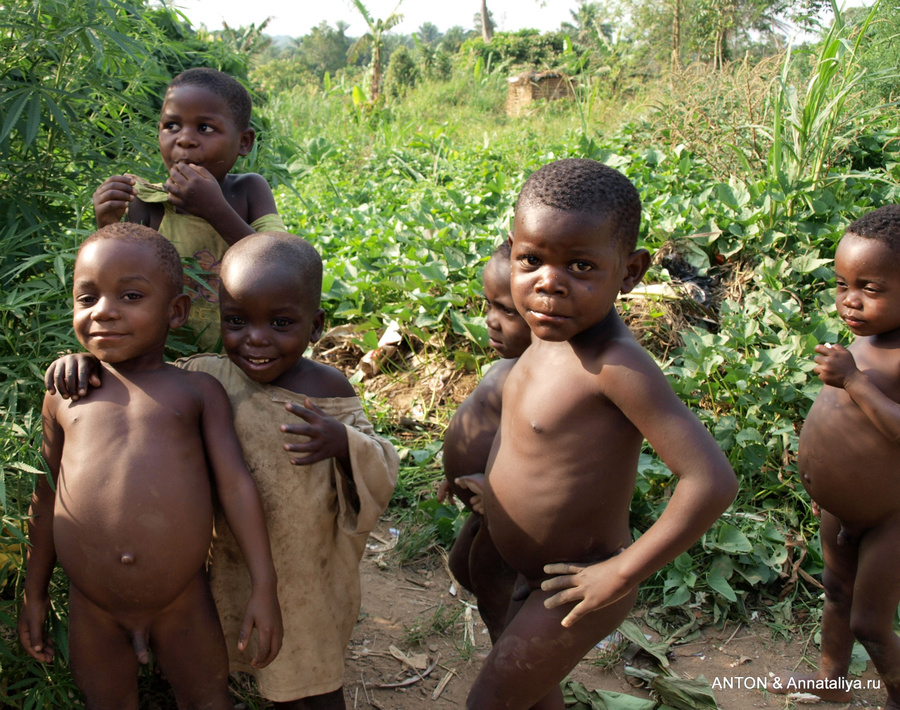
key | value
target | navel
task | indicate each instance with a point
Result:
(127, 558)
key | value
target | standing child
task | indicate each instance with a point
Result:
(324, 482)
(474, 559)
(204, 127)
(848, 454)
(577, 407)
(130, 510)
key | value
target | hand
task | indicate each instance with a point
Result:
(444, 492)
(72, 375)
(111, 199)
(592, 587)
(475, 484)
(264, 613)
(327, 436)
(834, 365)
(31, 628)
(193, 189)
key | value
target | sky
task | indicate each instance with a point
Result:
(297, 17)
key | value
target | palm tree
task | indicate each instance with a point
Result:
(374, 39)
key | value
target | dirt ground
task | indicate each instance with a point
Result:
(419, 644)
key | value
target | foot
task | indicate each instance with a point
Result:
(830, 690)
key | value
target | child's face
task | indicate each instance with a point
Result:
(124, 305)
(568, 269)
(267, 320)
(868, 286)
(509, 333)
(196, 126)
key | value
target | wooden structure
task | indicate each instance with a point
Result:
(533, 85)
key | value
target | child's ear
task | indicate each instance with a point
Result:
(635, 267)
(247, 138)
(179, 310)
(318, 325)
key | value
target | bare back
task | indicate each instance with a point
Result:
(846, 464)
(563, 467)
(133, 517)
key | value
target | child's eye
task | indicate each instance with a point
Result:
(233, 321)
(86, 300)
(206, 128)
(529, 260)
(581, 266)
(281, 323)
(170, 126)
(132, 296)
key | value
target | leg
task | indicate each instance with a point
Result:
(327, 701)
(837, 639)
(458, 560)
(535, 652)
(492, 582)
(189, 644)
(101, 657)
(875, 598)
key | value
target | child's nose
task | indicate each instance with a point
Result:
(104, 309)
(550, 281)
(186, 137)
(852, 299)
(257, 336)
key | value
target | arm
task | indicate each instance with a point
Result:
(836, 367)
(41, 556)
(244, 513)
(706, 487)
(193, 189)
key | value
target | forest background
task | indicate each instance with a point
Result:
(394, 155)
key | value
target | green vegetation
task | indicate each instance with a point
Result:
(748, 175)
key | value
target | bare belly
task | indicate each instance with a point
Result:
(846, 466)
(537, 518)
(132, 543)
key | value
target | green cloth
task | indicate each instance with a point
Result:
(202, 248)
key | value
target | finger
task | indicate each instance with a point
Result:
(566, 596)
(49, 384)
(556, 568)
(244, 633)
(310, 405)
(263, 649)
(573, 616)
(302, 412)
(556, 584)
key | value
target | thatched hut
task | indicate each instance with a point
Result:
(533, 85)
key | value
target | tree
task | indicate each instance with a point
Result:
(428, 33)
(374, 40)
(487, 22)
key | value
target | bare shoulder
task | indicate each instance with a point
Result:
(316, 379)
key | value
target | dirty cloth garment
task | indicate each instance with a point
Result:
(197, 241)
(318, 526)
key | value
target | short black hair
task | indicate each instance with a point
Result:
(226, 87)
(503, 251)
(286, 251)
(166, 255)
(581, 185)
(882, 225)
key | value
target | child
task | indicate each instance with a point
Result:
(318, 514)
(474, 560)
(576, 409)
(130, 510)
(204, 126)
(852, 476)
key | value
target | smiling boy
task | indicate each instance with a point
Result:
(848, 454)
(204, 127)
(577, 407)
(130, 511)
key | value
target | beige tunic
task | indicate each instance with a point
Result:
(317, 533)
(201, 245)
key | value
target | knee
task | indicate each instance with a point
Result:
(871, 632)
(838, 591)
